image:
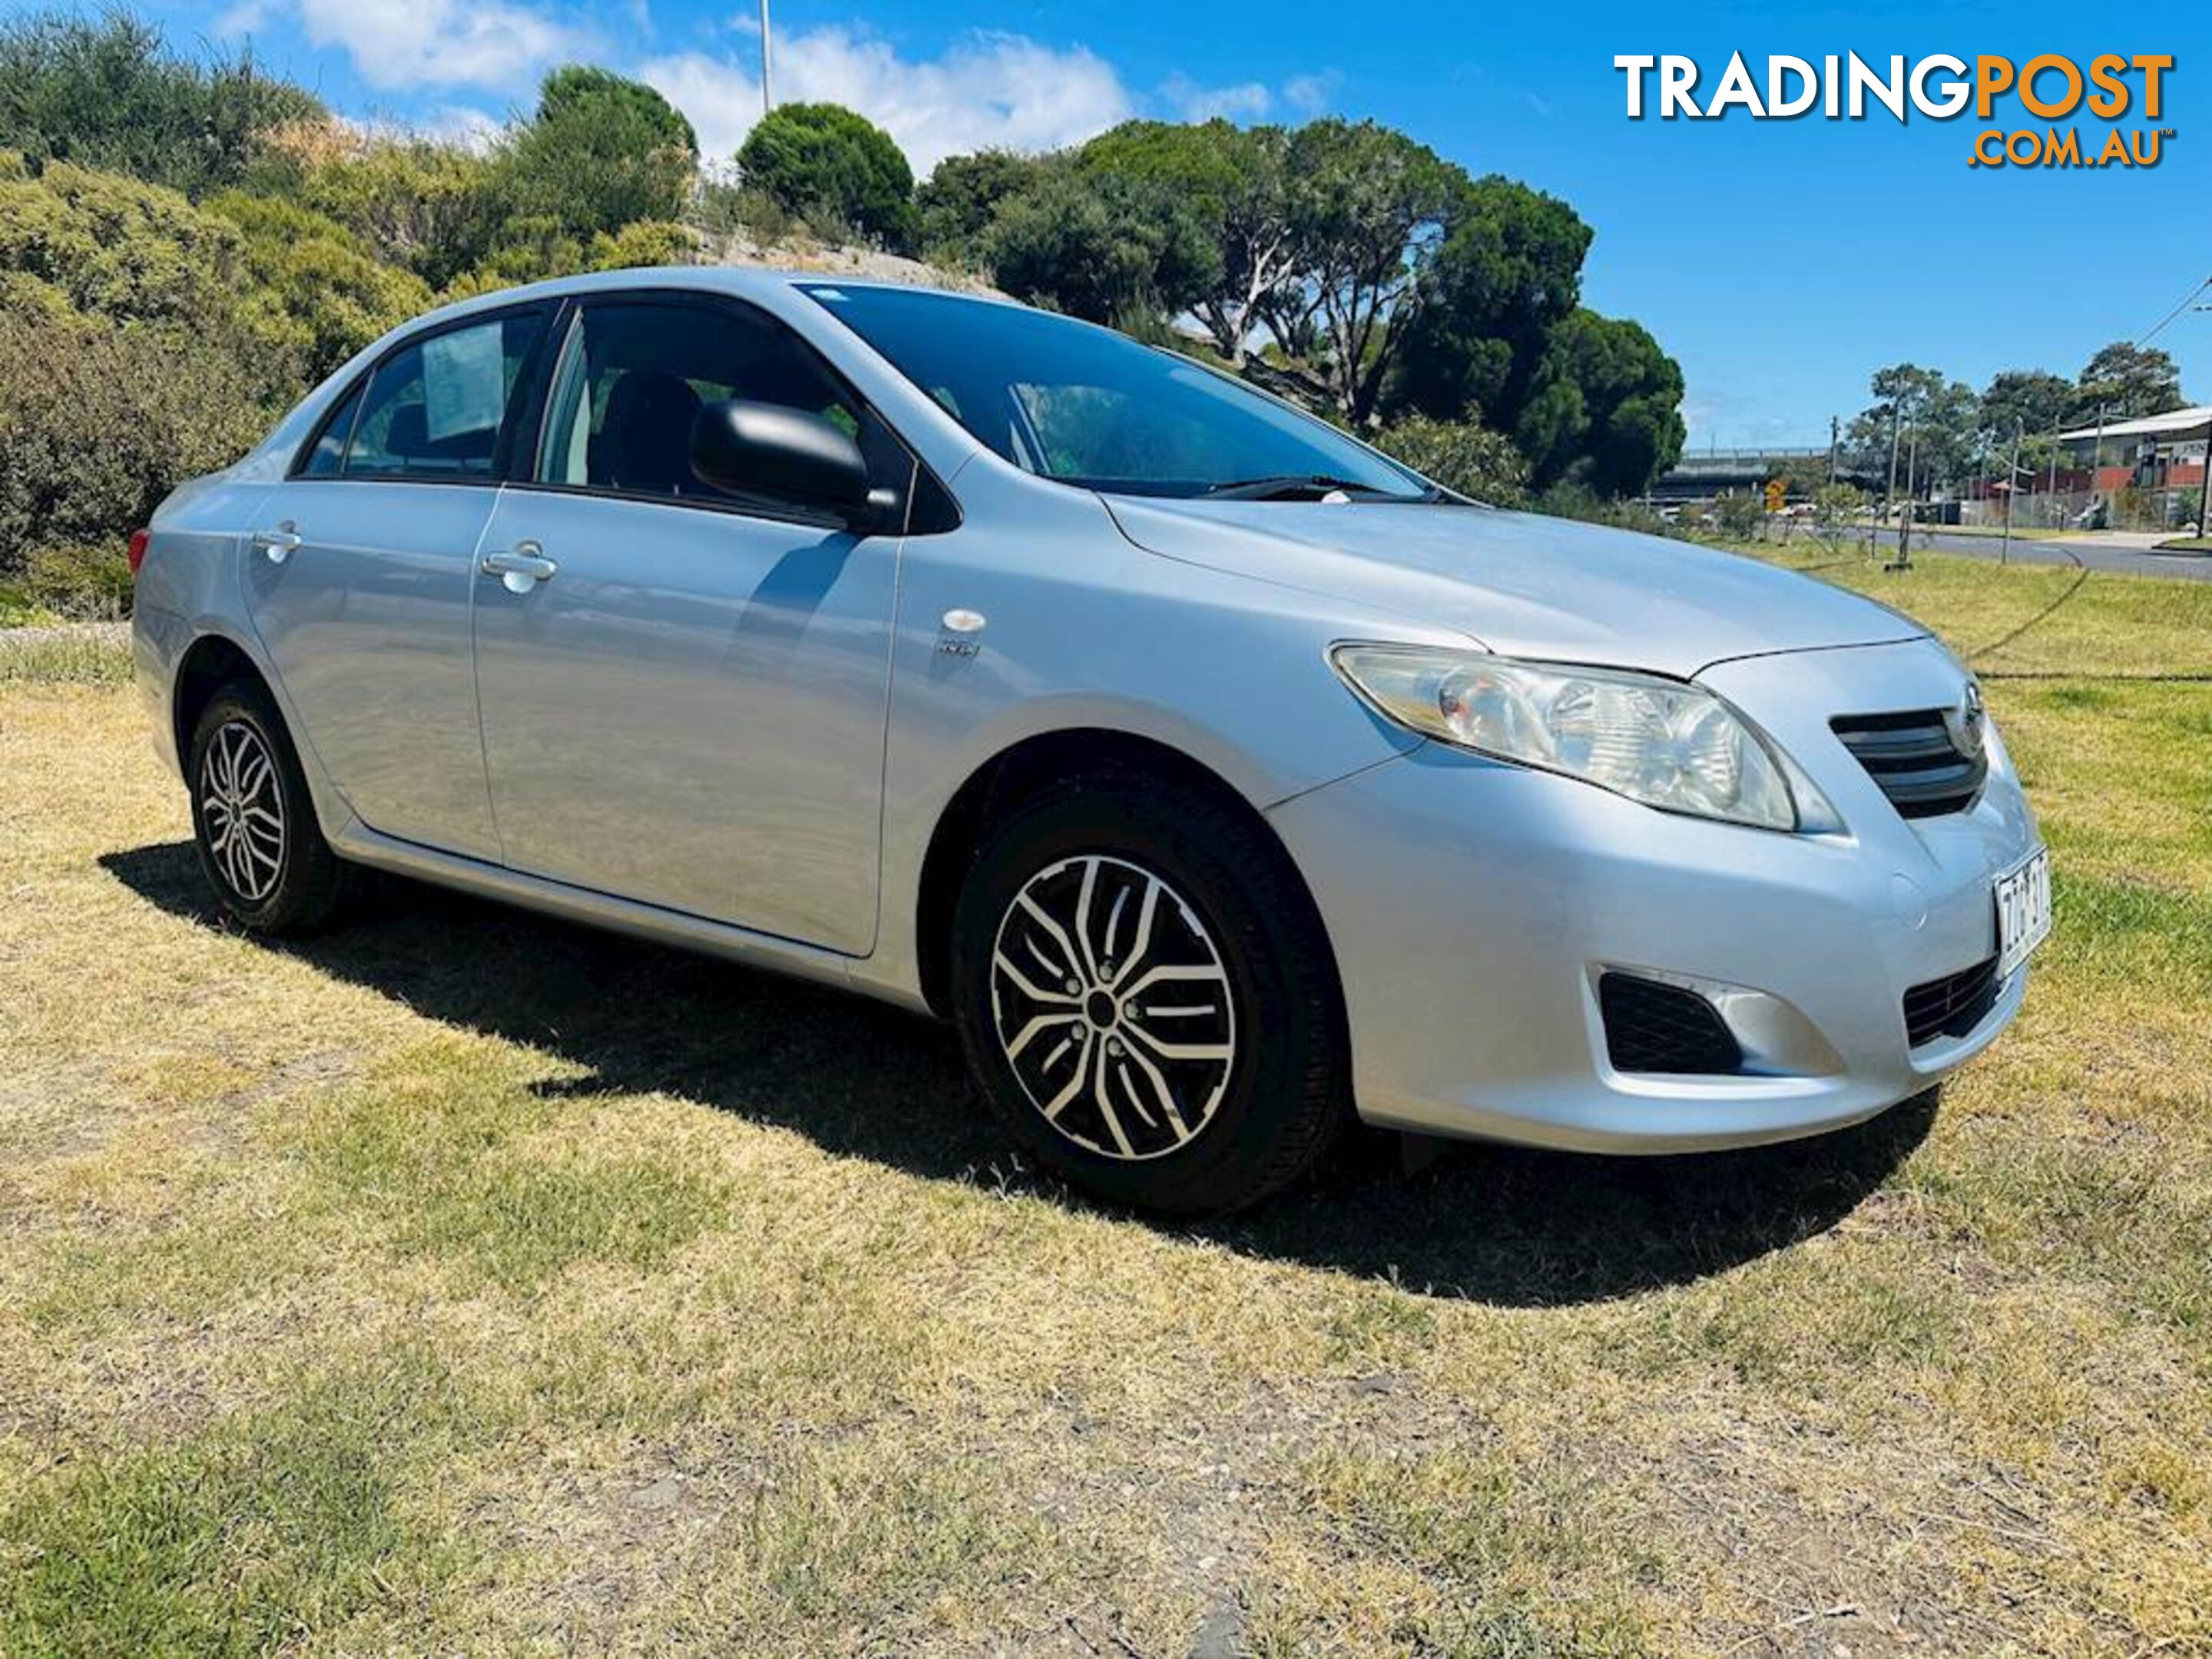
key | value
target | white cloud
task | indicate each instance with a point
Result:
(244, 18)
(1309, 94)
(472, 129)
(990, 90)
(1188, 101)
(414, 43)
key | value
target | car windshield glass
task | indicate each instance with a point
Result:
(1087, 406)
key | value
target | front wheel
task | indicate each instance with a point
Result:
(262, 851)
(1147, 999)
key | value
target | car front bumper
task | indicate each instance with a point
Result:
(1473, 907)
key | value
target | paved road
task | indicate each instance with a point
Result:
(2124, 560)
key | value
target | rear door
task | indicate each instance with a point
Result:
(359, 573)
(685, 691)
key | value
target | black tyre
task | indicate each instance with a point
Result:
(1146, 996)
(259, 844)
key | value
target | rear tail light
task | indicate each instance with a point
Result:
(137, 551)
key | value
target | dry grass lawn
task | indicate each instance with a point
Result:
(467, 1282)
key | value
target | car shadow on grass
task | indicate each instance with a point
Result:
(1497, 1225)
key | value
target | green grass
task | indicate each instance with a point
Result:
(2105, 626)
(1463, 1552)
(462, 1282)
(237, 1538)
(452, 1147)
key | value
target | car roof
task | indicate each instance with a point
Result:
(743, 281)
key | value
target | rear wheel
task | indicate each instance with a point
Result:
(259, 845)
(1145, 995)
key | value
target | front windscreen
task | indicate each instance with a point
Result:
(1087, 406)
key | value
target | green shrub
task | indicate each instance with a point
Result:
(107, 92)
(1106, 247)
(1741, 514)
(1576, 500)
(957, 202)
(430, 208)
(532, 250)
(1463, 455)
(79, 579)
(601, 153)
(833, 168)
(727, 206)
(311, 286)
(75, 240)
(99, 421)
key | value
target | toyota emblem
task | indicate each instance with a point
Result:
(1967, 723)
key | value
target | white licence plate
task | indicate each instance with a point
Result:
(2023, 911)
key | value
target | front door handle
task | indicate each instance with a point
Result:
(279, 543)
(521, 568)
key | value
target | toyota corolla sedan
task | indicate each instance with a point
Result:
(1220, 779)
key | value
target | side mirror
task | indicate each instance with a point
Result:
(766, 449)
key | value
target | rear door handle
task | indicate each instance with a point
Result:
(279, 543)
(522, 567)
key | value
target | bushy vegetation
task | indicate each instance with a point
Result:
(196, 243)
(1462, 456)
(602, 153)
(98, 422)
(824, 163)
(187, 245)
(1934, 431)
(108, 94)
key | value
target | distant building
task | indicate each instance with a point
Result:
(2158, 452)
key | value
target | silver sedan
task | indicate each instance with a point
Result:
(1220, 779)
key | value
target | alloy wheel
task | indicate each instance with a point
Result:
(242, 810)
(1112, 1006)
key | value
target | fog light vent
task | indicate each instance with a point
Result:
(1655, 1027)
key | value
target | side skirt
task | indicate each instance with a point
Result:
(363, 845)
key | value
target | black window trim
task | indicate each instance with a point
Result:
(522, 405)
(524, 477)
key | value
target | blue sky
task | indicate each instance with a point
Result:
(1780, 261)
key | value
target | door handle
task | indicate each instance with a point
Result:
(526, 563)
(279, 543)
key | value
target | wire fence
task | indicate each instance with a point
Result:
(2172, 509)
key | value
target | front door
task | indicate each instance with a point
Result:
(360, 572)
(684, 692)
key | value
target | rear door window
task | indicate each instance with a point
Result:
(436, 409)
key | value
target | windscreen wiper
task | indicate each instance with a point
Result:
(1282, 485)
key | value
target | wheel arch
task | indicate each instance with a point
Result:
(210, 663)
(993, 789)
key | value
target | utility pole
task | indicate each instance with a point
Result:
(1904, 559)
(2051, 488)
(2012, 494)
(767, 94)
(2204, 495)
(1896, 420)
(2096, 470)
(1832, 429)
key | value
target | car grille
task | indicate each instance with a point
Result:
(1912, 757)
(1651, 1027)
(1951, 1006)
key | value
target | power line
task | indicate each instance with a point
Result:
(2187, 299)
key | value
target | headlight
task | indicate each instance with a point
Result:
(1658, 741)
